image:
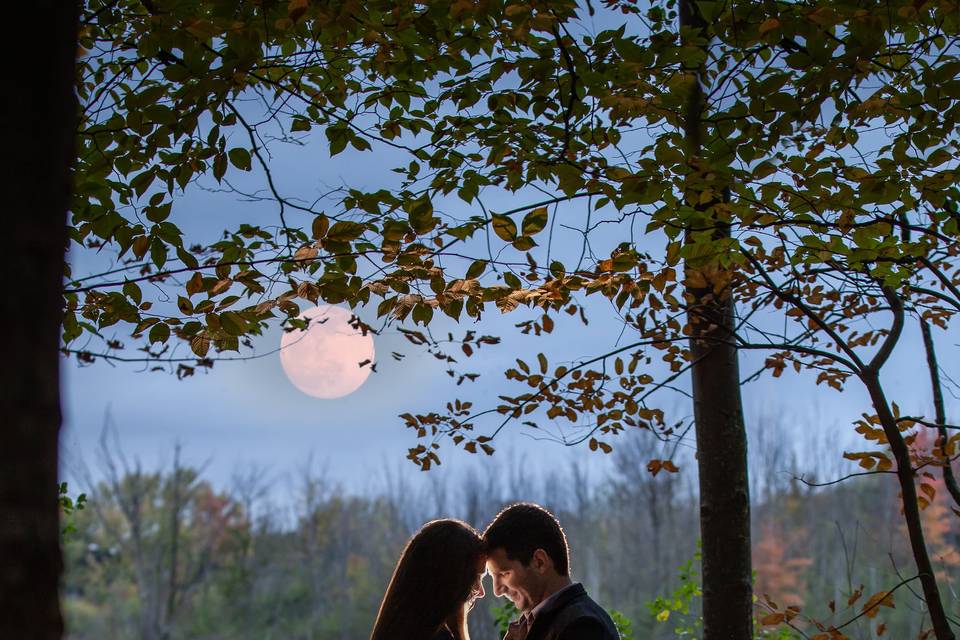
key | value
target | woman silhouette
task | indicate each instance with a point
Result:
(435, 583)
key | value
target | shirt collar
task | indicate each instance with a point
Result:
(553, 598)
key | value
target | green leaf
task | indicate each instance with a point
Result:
(570, 179)
(141, 182)
(476, 269)
(232, 323)
(132, 291)
(524, 243)
(763, 170)
(422, 314)
(337, 138)
(420, 215)
(345, 231)
(158, 252)
(158, 213)
(504, 227)
(512, 280)
(783, 102)
(160, 332)
(240, 158)
(534, 222)
(187, 258)
(219, 166)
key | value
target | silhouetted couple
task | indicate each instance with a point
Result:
(439, 577)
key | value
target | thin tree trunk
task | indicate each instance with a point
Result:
(721, 434)
(870, 376)
(911, 511)
(939, 412)
(39, 124)
(175, 508)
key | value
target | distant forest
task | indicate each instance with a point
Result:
(165, 555)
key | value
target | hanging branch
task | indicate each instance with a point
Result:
(941, 417)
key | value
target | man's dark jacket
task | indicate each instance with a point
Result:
(572, 616)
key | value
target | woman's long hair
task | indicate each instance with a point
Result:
(433, 580)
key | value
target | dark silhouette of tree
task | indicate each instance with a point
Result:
(40, 114)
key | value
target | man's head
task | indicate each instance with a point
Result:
(527, 554)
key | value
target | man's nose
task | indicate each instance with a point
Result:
(498, 589)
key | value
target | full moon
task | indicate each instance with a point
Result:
(330, 359)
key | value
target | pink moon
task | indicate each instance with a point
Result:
(325, 360)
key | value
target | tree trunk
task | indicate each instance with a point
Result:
(38, 131)
(721, 434)
(940, 413)
(911, 511)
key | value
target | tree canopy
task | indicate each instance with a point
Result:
(830, 132)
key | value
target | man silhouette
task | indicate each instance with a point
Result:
(529, 561)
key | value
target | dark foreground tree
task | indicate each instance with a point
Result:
(39, 127)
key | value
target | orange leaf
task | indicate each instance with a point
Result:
(769, 25)
(855, 596)
(772, 618)
(872, 606)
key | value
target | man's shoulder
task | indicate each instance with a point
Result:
(584, 603)
(582, 617)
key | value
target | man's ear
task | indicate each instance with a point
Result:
(541, 561)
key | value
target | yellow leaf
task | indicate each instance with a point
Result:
(663, 615)
(200, 345)
(307, 252)
(221, 286)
